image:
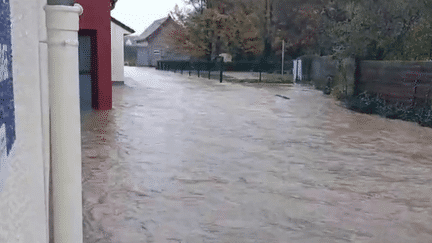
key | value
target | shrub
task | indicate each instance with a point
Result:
(337, 93)
(374, 104)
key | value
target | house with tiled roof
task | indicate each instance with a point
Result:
(154, 43)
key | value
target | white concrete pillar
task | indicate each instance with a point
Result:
(295, 70)
(62, 31)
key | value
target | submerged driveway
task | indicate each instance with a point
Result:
(186, 159)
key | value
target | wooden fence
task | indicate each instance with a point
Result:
(408, 83)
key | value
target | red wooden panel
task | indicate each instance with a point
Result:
(96, 17)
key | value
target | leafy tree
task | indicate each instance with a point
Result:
(215, 26)
(297, 22)
(241, 35)
(250, 28)
(299, 27)
(381, 29)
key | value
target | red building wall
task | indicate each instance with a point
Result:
(95, 21)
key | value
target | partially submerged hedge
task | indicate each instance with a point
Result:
(373, 104)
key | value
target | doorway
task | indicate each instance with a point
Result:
(86, 70)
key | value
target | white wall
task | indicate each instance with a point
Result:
(117, 52)
(23, 201)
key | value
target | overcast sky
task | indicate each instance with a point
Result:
(139, 14)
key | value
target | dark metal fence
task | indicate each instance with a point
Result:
(190, 66)
(206, 67)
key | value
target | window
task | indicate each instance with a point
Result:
(156, 52)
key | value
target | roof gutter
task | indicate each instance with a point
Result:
(71, 2)
(61, 2)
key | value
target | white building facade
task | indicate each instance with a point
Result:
(32, 64)
(118, 31)
(24, 195)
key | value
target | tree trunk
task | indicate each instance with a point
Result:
(357, 75)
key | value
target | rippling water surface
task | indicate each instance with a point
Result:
(182, 159)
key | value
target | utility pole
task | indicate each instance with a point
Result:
(267, 32)
(268, 17)
(268, 20)
(283, 56)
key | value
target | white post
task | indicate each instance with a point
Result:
(62, 32)
(283, 53)
(294, 70)
(299, 72)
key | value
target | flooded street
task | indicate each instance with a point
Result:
(187, 159)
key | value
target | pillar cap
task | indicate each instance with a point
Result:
(62, 17)
(77, 8)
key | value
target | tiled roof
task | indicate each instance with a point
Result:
(151, 29)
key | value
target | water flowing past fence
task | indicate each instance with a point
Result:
(204, 68)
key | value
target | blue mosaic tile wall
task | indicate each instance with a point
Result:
(7, 110)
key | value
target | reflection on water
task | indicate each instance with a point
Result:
(182, 159)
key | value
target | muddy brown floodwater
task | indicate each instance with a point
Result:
(182, 159)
